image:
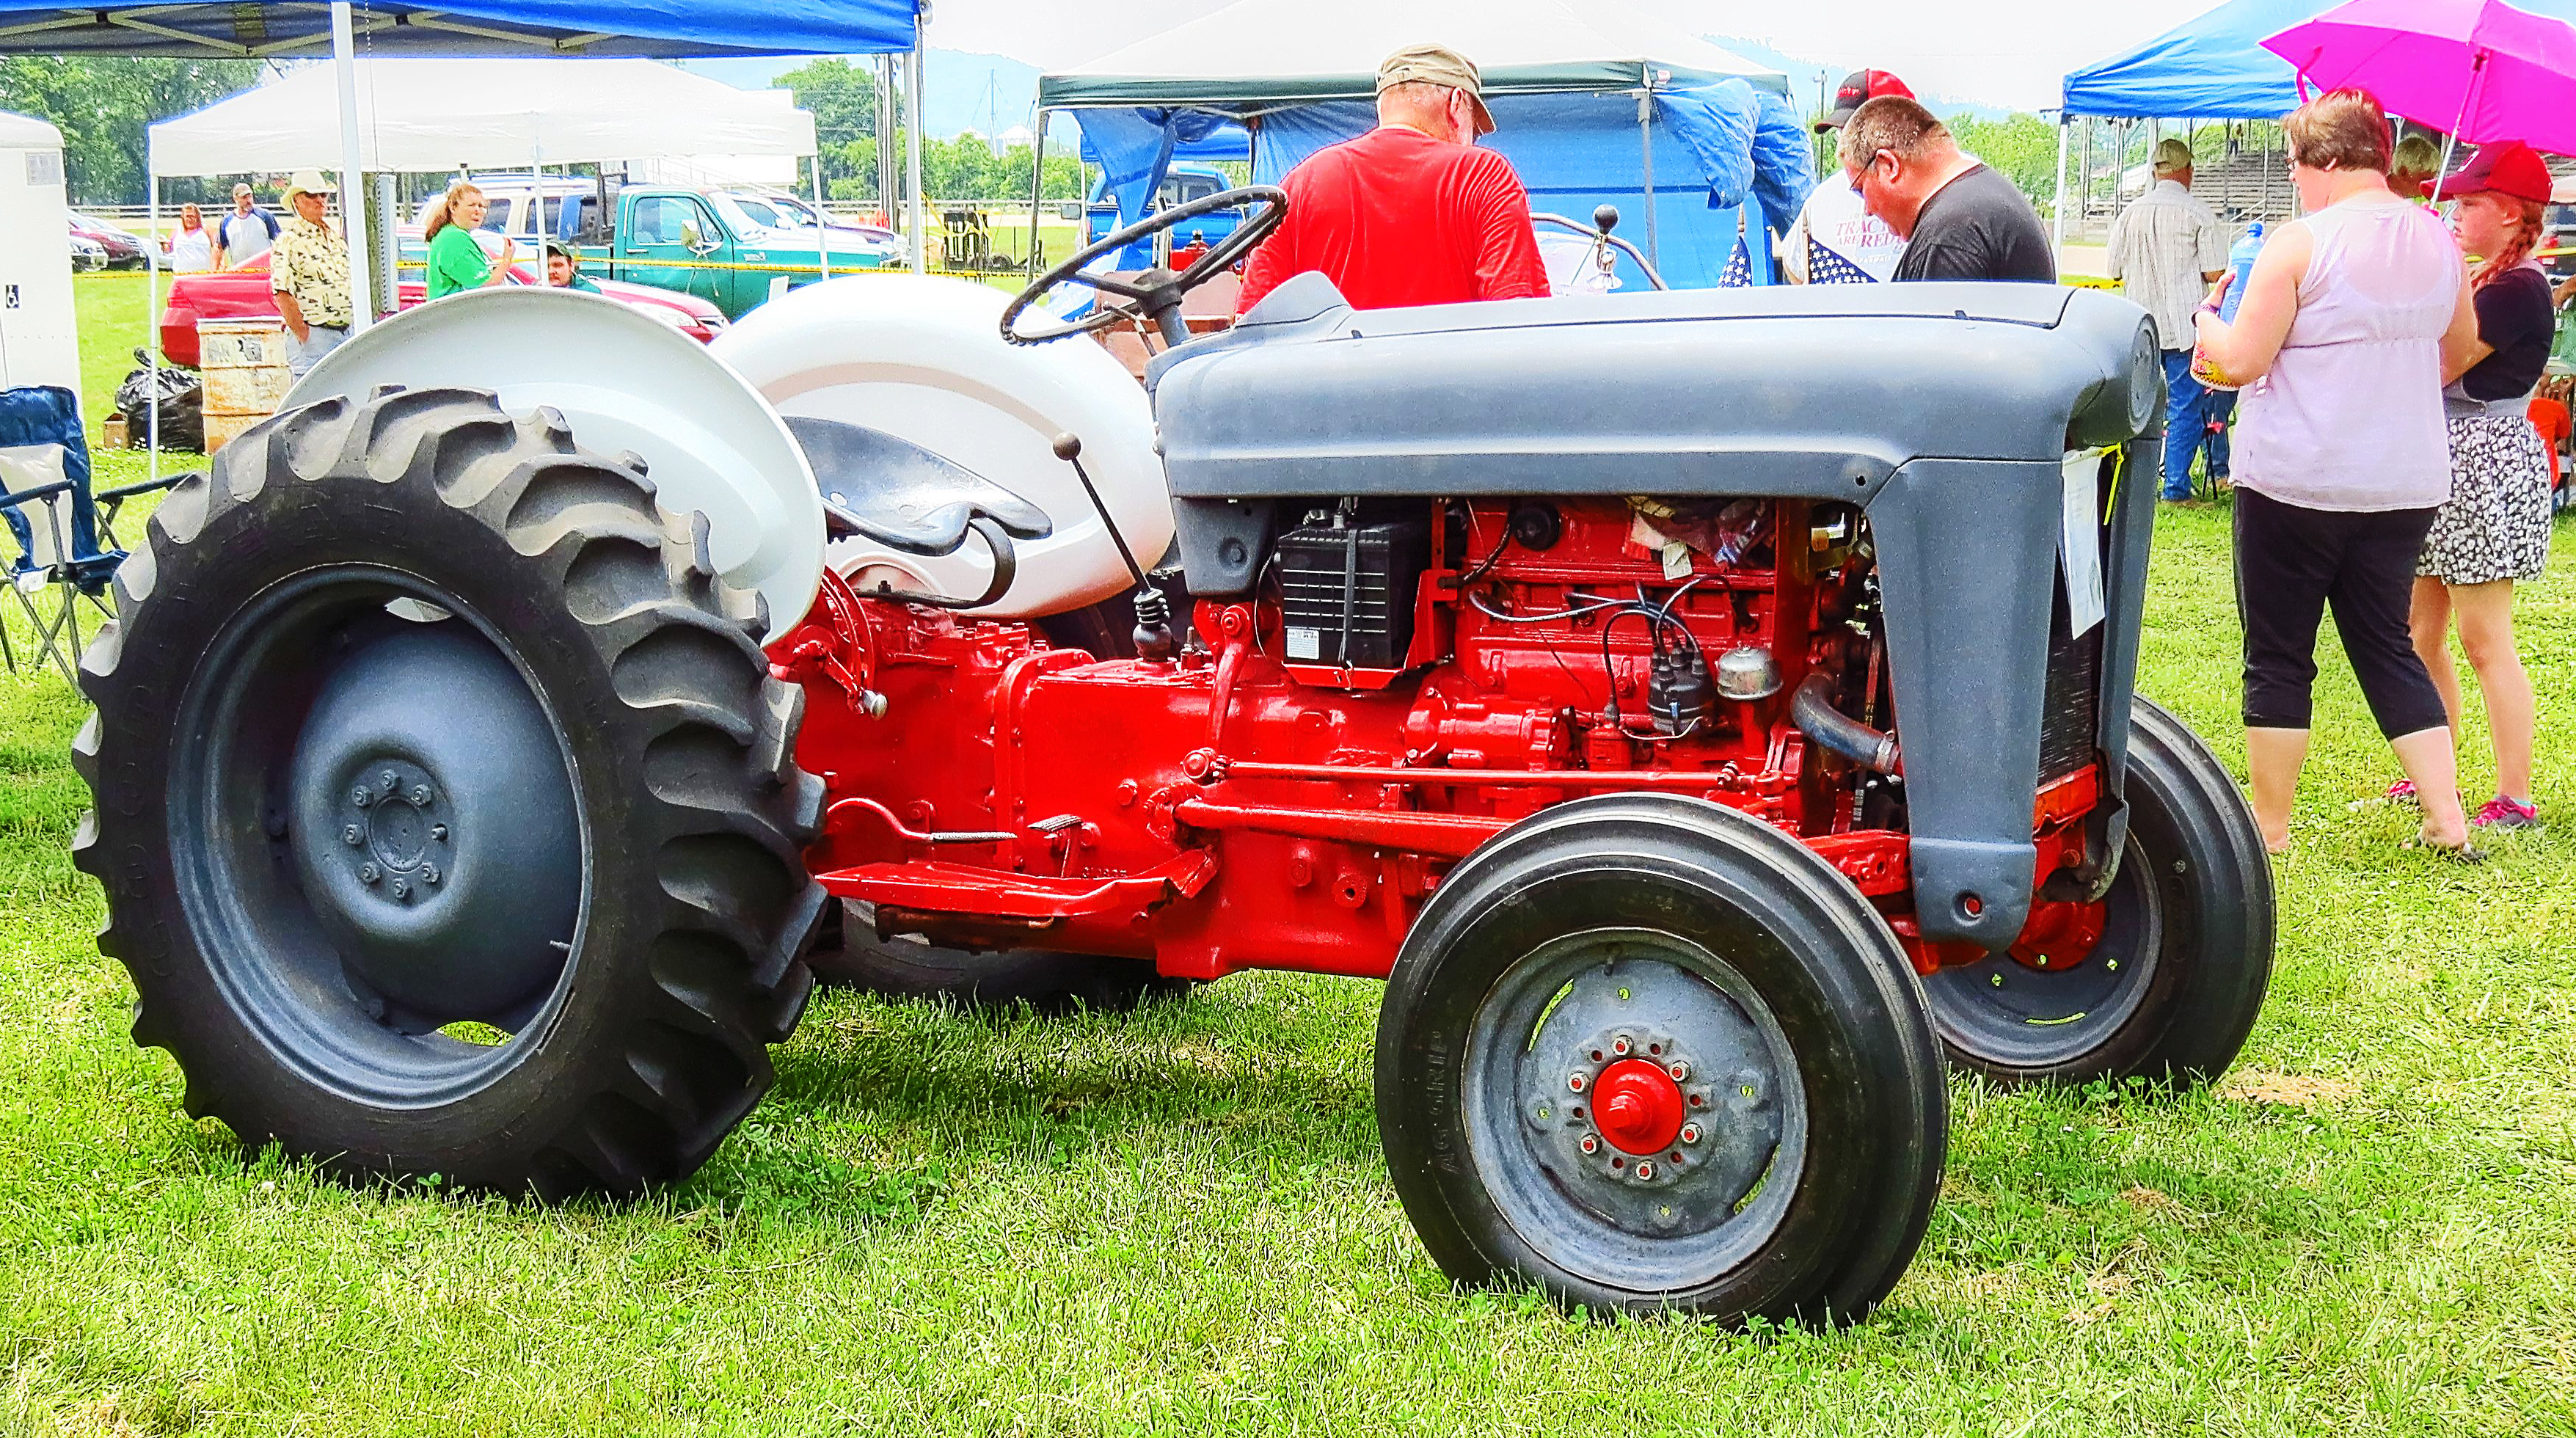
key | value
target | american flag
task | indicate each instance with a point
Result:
(1739, 267)
(1824, 267)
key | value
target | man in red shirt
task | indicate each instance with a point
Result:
(1411, 213)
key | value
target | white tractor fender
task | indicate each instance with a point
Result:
(623, 381)
(922, 358)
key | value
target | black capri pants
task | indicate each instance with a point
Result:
(2291, 562)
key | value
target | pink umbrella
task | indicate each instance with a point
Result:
(2476, 69)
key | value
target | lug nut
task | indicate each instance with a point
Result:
(1645, 1170)
(1589, 1144)
(1690, 1133)
(369, 873)
(388, 780)
(420, 795)
(353, 836)
(1575, 1081)
(438, 833)
(402, 889)
(1619, 1045)
(1679, 1070)
(429, 873)
(362, 796)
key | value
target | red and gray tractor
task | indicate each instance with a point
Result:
(1708, 712)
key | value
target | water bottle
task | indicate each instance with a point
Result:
(2240, 258)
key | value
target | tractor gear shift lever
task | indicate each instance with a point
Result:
(1153, 612)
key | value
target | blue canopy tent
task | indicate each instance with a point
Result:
(1592, 106)
(2213, 67)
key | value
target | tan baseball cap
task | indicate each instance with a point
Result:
(1437, 65)
(2171, 155)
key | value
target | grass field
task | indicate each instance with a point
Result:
(1179, 1222)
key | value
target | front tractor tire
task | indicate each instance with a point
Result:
(2172, 987)
(1647, 1053)
(445, 808)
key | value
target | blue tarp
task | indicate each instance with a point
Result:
(1230, 142)
(1713, 145)
(2215, 67)
(206, 29)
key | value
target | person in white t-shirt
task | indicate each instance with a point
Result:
(1834, 241)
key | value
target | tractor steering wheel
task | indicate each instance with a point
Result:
(1156, 294)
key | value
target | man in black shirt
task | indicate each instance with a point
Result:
(1960, 220)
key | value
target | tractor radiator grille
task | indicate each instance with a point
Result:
(2069, 720)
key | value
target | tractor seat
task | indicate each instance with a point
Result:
(888, 489)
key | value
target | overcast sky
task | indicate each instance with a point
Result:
(2005, 53)
(1991, 52)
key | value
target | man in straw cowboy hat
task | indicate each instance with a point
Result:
(1413, 212)
(309, 273)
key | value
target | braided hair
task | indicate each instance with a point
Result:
(2529, 216)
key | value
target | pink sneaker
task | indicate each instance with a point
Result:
(2504, 813)
(2401, 792)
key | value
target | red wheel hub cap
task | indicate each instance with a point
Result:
(1637, 1106)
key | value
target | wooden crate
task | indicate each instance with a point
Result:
(220, 428)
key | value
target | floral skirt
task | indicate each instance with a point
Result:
(2496, 525)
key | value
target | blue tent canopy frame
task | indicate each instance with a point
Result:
(651, 29)
(2213, 67)
(654, 29)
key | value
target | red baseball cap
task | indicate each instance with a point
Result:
(1858, 89)
(2507, 167)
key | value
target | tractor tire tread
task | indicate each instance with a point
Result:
(721, 976)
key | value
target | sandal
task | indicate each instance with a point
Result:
(2463, 852)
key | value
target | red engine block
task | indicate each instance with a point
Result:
(1227, 809)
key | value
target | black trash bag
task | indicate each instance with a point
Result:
(182, 400)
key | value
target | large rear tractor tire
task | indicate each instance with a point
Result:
(1648, 1053)
(1049, 982)
(2173, 985)
(445, 807)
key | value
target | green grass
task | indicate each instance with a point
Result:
(1180, 1222)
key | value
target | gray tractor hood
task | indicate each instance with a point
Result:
(1789, 390)
(1947, 411)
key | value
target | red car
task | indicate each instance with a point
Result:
(239, 294)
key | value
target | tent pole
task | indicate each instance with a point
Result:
(1037, 187)
(822, 218)
(885, 138)
(912, 156)
(1646, 148)
(2058, 241)
(152, 316)
(353, 194)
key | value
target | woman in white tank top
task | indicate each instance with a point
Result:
(2348, 322)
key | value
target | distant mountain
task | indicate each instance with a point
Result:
(1812, 82)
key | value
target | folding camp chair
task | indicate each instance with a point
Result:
(45, 499)
(47, 575)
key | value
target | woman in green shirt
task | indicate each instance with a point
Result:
(456, 262)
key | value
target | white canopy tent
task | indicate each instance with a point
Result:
(1518, 44)
(429, 115)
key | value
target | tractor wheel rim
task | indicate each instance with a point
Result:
(1692, 1171)
(375, 835)
(2003, 1011)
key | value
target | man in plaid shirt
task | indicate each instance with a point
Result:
(308, 272)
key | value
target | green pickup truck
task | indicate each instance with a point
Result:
(708, 245)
